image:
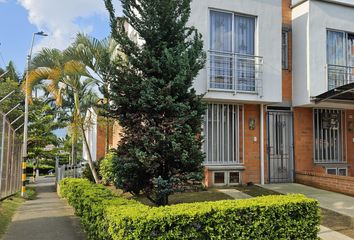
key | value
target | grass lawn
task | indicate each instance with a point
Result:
(7, 210)
(333, 220)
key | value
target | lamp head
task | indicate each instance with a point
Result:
(41, 33)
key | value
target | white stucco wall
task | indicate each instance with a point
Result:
(268, 45)
(310, 23)
(91, 135)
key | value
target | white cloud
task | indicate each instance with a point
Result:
(57, 18)
(2, 1)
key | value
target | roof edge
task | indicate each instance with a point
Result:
(326, 1)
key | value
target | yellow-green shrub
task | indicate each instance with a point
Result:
(106, 216)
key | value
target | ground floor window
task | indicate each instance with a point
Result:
(223, 134)
(226, 178)
(328, 136)
(337, 171)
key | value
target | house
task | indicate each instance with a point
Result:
(279, 87)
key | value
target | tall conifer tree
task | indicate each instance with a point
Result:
(153, 99)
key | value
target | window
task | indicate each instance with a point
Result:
(285, 49)
(328, 136)
(340, 58)
(232, 48)
(342, 172)
(219, 178)
(337, 171)
(222, 134)
(234, 178)
(332, 171)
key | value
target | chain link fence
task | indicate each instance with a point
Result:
(10, 158)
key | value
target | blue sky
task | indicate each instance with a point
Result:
(60, 19)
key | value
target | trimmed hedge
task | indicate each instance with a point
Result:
(109, 217)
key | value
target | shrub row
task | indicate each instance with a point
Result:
(106, 216)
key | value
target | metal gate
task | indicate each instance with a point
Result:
(280, 146)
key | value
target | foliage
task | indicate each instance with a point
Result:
(71, 86)
(7, 210)
(87, 173)
(106, 168)
(106, 216)
(43, 121)
(152, 96)
(8, 83)
(31, 193)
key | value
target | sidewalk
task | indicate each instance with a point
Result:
(324, 197)
(46, 218)
(330, 200)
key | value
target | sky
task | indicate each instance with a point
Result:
(60, 19)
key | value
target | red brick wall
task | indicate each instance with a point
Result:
(333, 183)
(350, 143)
(101, 142)
(286, 73)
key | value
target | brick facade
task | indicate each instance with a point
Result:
(333, 183)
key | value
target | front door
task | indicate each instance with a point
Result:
(280, 146)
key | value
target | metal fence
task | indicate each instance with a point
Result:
(339, 75)
(10, 158)
(68, 171)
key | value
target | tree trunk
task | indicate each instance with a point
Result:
(90, 162)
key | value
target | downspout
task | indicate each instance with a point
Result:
(261, 142)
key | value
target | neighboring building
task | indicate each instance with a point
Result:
(279, 87)
(96, 132)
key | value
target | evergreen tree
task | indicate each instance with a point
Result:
(153, 99)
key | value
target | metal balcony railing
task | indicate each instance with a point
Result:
(339, 75)
(235, 72)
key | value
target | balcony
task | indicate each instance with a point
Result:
(339, 75)
(233, 72)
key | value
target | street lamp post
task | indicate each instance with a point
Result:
(25, 125)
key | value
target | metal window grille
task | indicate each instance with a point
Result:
(223, 137)
(328, 136)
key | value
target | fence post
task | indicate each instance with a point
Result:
(2, 152)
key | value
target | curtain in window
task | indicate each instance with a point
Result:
(221, 50)
(336, 59)
(244, 44)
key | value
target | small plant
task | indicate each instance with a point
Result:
(87, 173)
(31, 193)
(106, 168)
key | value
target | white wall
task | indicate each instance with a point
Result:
(91, 135)
(310, 23)
(269, 26)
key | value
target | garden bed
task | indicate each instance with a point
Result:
(104, 215)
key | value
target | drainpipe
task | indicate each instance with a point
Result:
(261, 141)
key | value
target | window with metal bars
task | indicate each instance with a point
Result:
(328, 136)
(222, 133)
(285, 49)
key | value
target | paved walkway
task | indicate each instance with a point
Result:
(330, 200)
(46, 218)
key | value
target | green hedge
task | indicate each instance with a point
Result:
(106, 216)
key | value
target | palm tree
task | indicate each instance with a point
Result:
(63, 78)
(97, 56)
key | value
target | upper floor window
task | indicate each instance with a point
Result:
(340, 58)
(285, 49)
(233, 65)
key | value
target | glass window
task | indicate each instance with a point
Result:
(332, 171)
(232, 34)
(342, 171)
(219, 177)
(234, 177)
(285, 49)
